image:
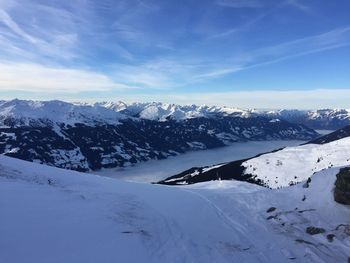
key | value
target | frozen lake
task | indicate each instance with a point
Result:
(156, 170)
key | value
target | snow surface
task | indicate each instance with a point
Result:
(296, 164)
(52, 215)
(157, 170)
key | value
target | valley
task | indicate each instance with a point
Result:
(156, 170)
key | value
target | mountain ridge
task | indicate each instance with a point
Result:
(111, 112)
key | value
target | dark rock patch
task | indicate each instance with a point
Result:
(330, 237)
(342, 186)
(271, 209)
(312, 230)
(307, 183)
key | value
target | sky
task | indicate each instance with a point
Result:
(242, 53)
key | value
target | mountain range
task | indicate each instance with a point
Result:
(84, 137)
(329, 119)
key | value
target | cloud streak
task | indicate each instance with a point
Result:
(38, 78)
(333, 39)
(240, 3)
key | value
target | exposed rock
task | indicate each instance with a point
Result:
(271, 209)
(330, 237)
(307, 183)
(342, 186)
(312, 230)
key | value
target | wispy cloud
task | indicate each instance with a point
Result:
(240, 3)
(298, 4)
(143, 44)
(174, 72)
(266, 12)
(333, 39)
(38, 78)
(56, 44)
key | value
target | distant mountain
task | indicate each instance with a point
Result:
(328, 119)
(165, 111)
(279, 168)
(90, 137)
(42, 113)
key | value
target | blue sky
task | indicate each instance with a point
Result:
(245, 53)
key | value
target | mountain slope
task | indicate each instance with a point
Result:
(91, 137)
(276, 169)
(53, 215)
(336, 135)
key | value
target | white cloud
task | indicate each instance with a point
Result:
(38, 78)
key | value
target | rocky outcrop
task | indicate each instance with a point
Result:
(342, 186)
(312, 230)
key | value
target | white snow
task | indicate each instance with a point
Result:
(296, 164)
(53, 215)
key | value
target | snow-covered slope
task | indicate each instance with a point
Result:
(53, 215)
(330, 137)
(279, 168)
(295, 164)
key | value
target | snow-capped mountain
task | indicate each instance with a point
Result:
(54, 215)
(96, 112)
(279, 168)
(328, 119)
(42, 113)
(91, 137)
(165, 111)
